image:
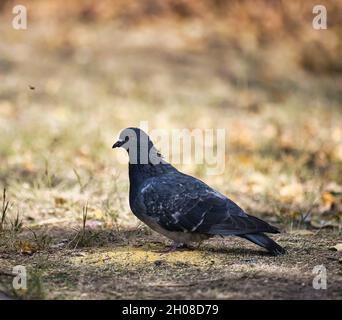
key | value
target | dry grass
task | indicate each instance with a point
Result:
(278, 100)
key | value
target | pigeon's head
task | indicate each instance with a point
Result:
(139, 146)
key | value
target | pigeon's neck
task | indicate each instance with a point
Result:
(140, 172)
(144, 155)
(143, 166)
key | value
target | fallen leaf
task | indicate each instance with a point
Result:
(328, 200)
(338, 247)
(78, 254)
(59, 201)
(26, 247)
(99, 214)
(319, 224)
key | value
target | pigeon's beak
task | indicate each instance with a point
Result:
(118, 144)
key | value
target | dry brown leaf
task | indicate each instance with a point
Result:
(59, 201)
(26, 247)
(328, 200)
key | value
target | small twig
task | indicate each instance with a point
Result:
(85, 214)
(79, 180)
(83, 231)
(303, 217)
(4, 209)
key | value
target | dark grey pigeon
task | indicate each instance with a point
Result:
(181, 207)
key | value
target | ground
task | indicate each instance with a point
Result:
(73, 80)
(127, 265)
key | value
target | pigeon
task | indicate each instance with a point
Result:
(181, 207)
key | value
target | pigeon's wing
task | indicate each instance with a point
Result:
(185, 204)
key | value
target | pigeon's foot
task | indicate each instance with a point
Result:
(172, 248)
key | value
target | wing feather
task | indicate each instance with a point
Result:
(185, 204)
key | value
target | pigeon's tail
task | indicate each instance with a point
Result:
(265, 242)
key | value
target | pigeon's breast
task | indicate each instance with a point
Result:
(136, 200)
(179, 237)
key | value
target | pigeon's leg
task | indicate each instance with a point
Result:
(172, 248)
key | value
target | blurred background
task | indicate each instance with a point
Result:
(83, 70)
